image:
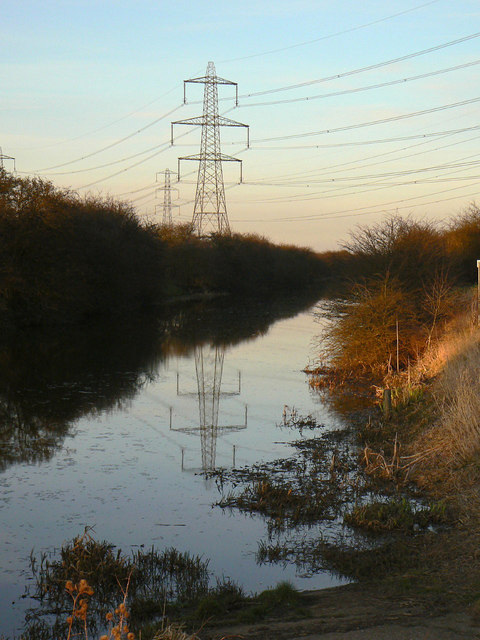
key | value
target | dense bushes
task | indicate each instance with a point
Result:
(246, 263)
(402, 274)
(64, 258)
(413, 251)
(463, 243)
(237, 264)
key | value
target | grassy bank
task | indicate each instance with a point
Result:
(65, 258)
(407, 324)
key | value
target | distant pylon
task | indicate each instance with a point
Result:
(167, 197)
(4, 157)
(210, 209)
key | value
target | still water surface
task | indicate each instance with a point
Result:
(112, 429)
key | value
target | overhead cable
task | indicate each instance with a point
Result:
(331, 35)
(372, 122)
(379, 85)
(370, 67)
(113, 144)
(357, 143)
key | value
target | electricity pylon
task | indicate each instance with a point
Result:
(209, 370)
(4, 157)
(167, 196)
(210, 209)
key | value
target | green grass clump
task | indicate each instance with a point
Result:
(280, 601)
(220, 602)
(396, 515)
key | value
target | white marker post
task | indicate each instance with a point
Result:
(478, 290)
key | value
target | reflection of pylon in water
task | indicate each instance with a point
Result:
(209, 370)
(209, 380)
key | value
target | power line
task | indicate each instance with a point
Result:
(379, 155)
(372, 122)
(339, 166)
(113, 144)
(360, 89)
(108, 164)
(356, 143)
(127, 193)
(117, 173)
(102, 127)
(136, 164)
(370, 67)
(314, 180)
(332, 35)
(374, 181)
(113, 175)
(339, 214)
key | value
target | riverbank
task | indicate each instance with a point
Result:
(361, 612)
(429, 587)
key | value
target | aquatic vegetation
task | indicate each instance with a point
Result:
(313, 486)
(400, 294)
(282, 601)
(109, 595)
(292, 419)
(323, 504)
(223, 599)
(146, 582)
(396, 515)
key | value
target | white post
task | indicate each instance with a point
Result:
(478, 291)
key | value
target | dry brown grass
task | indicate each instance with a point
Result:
(458, 393)
(452, 365)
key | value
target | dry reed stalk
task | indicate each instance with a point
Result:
(174, 632)
(375, 462)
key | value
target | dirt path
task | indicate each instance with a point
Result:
(359, 612)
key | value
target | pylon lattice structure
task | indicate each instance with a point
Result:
(3, 157)
(209, 371)
(210, 209)
(167, 197)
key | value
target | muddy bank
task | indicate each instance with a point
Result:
(361, 612)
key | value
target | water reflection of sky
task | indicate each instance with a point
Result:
(116, 464)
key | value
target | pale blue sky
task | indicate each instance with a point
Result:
(80, 76)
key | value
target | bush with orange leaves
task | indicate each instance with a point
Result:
(117, 620)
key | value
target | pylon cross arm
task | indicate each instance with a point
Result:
(219, 157)
(226, 122)
(197, 120)
(214, 79)
(210, 80)
(205, 121)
